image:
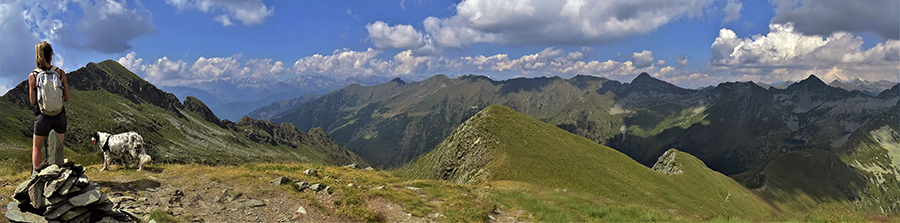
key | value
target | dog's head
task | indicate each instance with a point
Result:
(95, 137)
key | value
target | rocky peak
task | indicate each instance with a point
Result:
(195, 105)
(667, 164)
(398, 81)
(645, 83)
(810, 83)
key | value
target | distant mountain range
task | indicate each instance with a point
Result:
(737, 128)
(234, 98)
(871, 88)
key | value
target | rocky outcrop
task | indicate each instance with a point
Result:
(271, 133)
(195, 105)
(667, 164)
(62, 194)
(461, 158)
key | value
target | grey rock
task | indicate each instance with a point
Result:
(435, 215)
(378, 188)
(56, 199)
(369, 168)
(86, 198)
(13, 213)
(36, 193)
(66, 188)
(72, 214)
(311, 172)
(236, 196)
(412, 188)
(81, 218)
(23, 186)
(315, 187)
(50, 171)
(55, 211)
(300, 186)
(301, 210)
(54, 149)
(666, 164)
(255, 203)
(280, 181)
(57, 183)
(327, 189)
(352, 166)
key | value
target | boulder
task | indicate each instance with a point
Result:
(315, 187)
(280, 181)
(13, 213)
(86, 198)
(300, 186)
(311, 172)
(667, 163)
(352, 166)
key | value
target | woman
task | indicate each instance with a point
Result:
(44, 123)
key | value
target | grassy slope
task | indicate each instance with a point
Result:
(545, 157)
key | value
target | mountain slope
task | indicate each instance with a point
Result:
(392, 123)
(500, 144)
(107, 97)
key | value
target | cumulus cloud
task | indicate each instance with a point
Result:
(164, 71)
(787, 54)
(17, 43)
(574, 22)
(824, 17)
(342, 61)
(102, 26)
(399, 36)
(108, 26)
(732, 11)
(686, 78)
(248, 12)
(682, 60)
(642, 59)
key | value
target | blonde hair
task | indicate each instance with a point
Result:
(43, 53)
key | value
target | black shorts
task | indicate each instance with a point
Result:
(44, 123)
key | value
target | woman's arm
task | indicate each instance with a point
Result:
(32, 89)
(65, 83)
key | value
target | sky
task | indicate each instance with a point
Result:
(691, 43)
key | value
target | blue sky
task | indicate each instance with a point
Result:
(691, 43)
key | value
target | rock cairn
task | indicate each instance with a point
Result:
(62, 193)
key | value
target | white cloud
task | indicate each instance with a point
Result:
(249, 12)
(265, 68)
(683, 60)
(642, 59)
(3, 89)
(105, 26)
(824, 17)
(165, 71)
(573, 22)
(218, 67)
(17, 43)
(732, 11)
(660, 63)
(785, 54)
(399, 36)
(131, 62)
(342, 61)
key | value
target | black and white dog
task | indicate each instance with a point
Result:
(120, 145)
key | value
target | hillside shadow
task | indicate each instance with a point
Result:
(525, 84)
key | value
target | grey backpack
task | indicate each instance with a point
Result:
(50, 91)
